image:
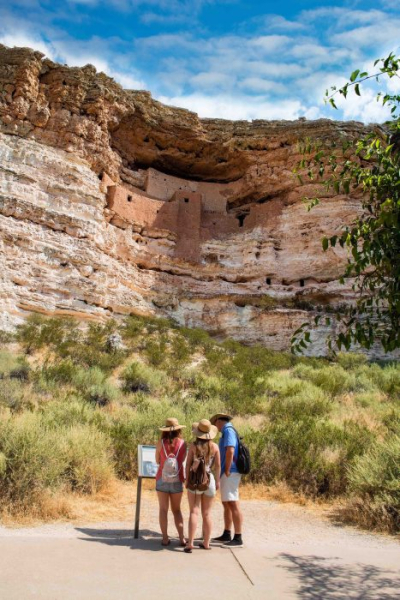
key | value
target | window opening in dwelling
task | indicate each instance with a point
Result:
(129, 198)
(301, 282)
(268, 281)
(241, 219)
(186, 200)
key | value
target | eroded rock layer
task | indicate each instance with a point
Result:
(111, 203)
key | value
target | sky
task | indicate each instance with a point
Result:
(234, 59)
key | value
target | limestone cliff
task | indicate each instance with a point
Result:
(112, 203)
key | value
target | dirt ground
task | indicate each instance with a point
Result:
(291, 551)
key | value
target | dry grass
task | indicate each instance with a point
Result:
(117, 503)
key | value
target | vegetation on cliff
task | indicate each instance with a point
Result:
(371, 166)
(74, 404)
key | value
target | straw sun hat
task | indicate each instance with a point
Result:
(171, 424)
(220, 416)
(204, 430)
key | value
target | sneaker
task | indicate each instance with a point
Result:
(235, 543)
(225, 537)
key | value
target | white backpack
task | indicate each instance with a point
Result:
(170, 471)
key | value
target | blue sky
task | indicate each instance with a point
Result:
(236, 59)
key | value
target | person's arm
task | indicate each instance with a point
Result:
(229, 454)
(158, 451)
(229, 445)
(217, 466)
(189, 462)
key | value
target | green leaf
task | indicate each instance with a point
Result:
(354, 75)
(325, 243)
(357, 89)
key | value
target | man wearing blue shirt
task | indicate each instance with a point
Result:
(230, 480)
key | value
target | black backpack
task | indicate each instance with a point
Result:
(243, 463)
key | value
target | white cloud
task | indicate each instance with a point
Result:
(279, 23)
(257, 84)
(363, 108)
(26, 40)
(212, 80)
(237, 107)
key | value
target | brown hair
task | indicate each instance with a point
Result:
(171, 435)
(203, 448)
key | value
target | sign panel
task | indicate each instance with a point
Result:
(147, 461)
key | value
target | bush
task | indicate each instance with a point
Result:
(38, 459)
(350, 360)
(13, 366)
(33, 462)
(138, 377)
(156, 350)
(13, 395)
(94, 387)
(375, 482)
(87, 459)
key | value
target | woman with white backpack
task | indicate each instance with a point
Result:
(170, 456)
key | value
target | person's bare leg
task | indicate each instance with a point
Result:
(206, 503)
(176, 500)
(227, 516)
(163, 502)
(194, 505)
(237, 517)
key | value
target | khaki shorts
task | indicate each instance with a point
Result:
(230, 487)
(210, 492)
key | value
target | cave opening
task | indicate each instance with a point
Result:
(301, 282)
(129, 198)
(241, 219)
(268, 280)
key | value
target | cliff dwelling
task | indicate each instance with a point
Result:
(199, 220)
(189, 212)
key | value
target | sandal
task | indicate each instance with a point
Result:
(202, 546)
(167, 544)
(187, 549)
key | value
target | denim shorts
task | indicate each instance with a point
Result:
(169, 488)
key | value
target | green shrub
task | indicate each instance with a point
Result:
(350, 360)
(55, 333)
(375, 482)
(13, 395)
(156, 350)
(6, 337)
(3, 464)
(37, 459)
(63, 371)
(138, 377)
(33, 462)
(13, 366)
(94, 387)
(87, 459)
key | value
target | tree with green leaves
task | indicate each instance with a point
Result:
(371, 166)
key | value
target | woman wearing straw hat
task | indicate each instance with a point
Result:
(170, 456)
(203, 447)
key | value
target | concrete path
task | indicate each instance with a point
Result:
(291, 553)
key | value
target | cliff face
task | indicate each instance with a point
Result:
(111, 202)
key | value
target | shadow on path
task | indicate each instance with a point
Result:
(149, 540)
(319, 578)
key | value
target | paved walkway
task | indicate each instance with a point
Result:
(291, 553)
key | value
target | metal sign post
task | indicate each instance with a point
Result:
(147, 469)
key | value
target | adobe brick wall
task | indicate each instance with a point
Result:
(190, 215)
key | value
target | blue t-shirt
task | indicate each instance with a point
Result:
(228, 438)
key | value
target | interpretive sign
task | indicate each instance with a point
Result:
(147, 469)
(147, 461)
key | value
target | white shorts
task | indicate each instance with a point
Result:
(210, 492)
(230, 487)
